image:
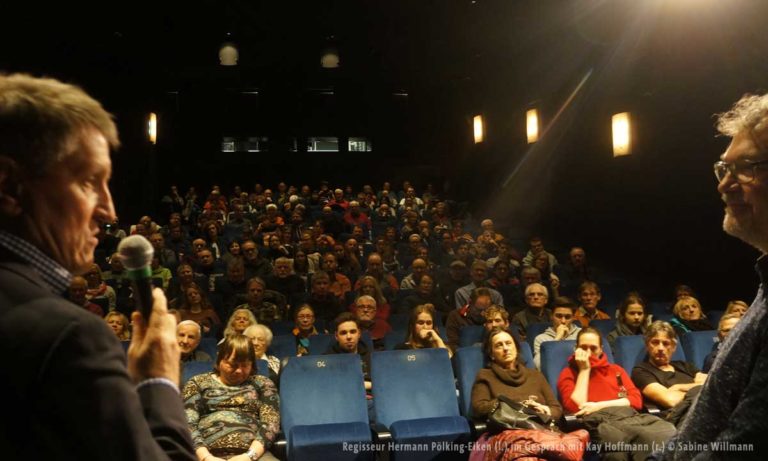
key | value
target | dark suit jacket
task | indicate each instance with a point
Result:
(65, 387)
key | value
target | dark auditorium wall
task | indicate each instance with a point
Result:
(654, 216)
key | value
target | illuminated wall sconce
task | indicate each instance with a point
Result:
(152, 128)
(622, 141)
(479, 128)
(532, 125)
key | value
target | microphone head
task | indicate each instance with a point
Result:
(136, 252)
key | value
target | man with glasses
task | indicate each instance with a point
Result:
(732, 405)
(563, 326)
(254, 265)
(365, 312)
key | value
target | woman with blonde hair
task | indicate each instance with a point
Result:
(737, 307)
(238, 322)
(689, 316)
(119, 324)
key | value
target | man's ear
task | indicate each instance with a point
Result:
(10, 187)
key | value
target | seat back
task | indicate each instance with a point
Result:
(393, 338)
(604, 326)
(283, 346)
(697, 345)
(262, 368)
(413, 384)
(470, 335)
(554, 357)
(209, 346)
(533, 330)
(190, 369)
(630, 350)
(468, 360)
(318, 344)
(322, 390)
(714, 317)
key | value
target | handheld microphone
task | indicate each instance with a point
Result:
(136, 253)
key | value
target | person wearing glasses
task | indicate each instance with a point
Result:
(377, 327)
(669, 384)
(732, 405)
(563, 326)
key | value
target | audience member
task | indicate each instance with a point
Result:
(563, 327)
(367, 320)
(76, 293)
(632, 319)
(478, 274)
(188, 335)
(536, 311)
(195, 306)
(232, 411)
(261, 337)
(119, 324)
(471, 314)
(266, 312)
(737, 307)
(670, 384)
(537, 246)
(689, 316)
(496, 317)
(589, 295)
(423, 332)
(726, 324)
(608, 401)
(304, 321)
(369, 286)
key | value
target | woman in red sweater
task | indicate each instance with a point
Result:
(603, 395)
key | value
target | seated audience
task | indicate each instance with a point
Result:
(340, 285)
(78, 288)
(507, 375)
(119, 324)
(369, 286)
(737, 307)
(419, 268)
(669, 384)
(632, 318)
(589, 296)
(238, 322)
(537, 246)
(232, 411)
(496, 317)
(563, 326)
(304, 319)
(188, 335)
(478, 274)
(195, 306)
(727, 323)
(161, 275)
(327, 306)
(448, 282)
(548, 278)
(536, 311)
(284, 281)
(349, 341)
(375, 268)
(689, 316)
(368, 320)
(608, 402)
(423, 332)
(261, 337)
(231, 289)
(265, 311)
(471, 314)
(98, 291)
(506, 284)
(425, 293)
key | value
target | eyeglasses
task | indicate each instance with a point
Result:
(743, 171)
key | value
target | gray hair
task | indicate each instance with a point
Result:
(749, 113)
(658, 327)
(191, 323)
(262, 329)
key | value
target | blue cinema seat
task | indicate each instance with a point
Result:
(318, 344)
(697, 345)
(471, 334)
(535, 329)
(415, 399)
(604, 326)
(190, 369)
(323, 408)
(209, 346)
(283, 346)
(630, 350)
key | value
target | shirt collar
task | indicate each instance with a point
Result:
(54, 276)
